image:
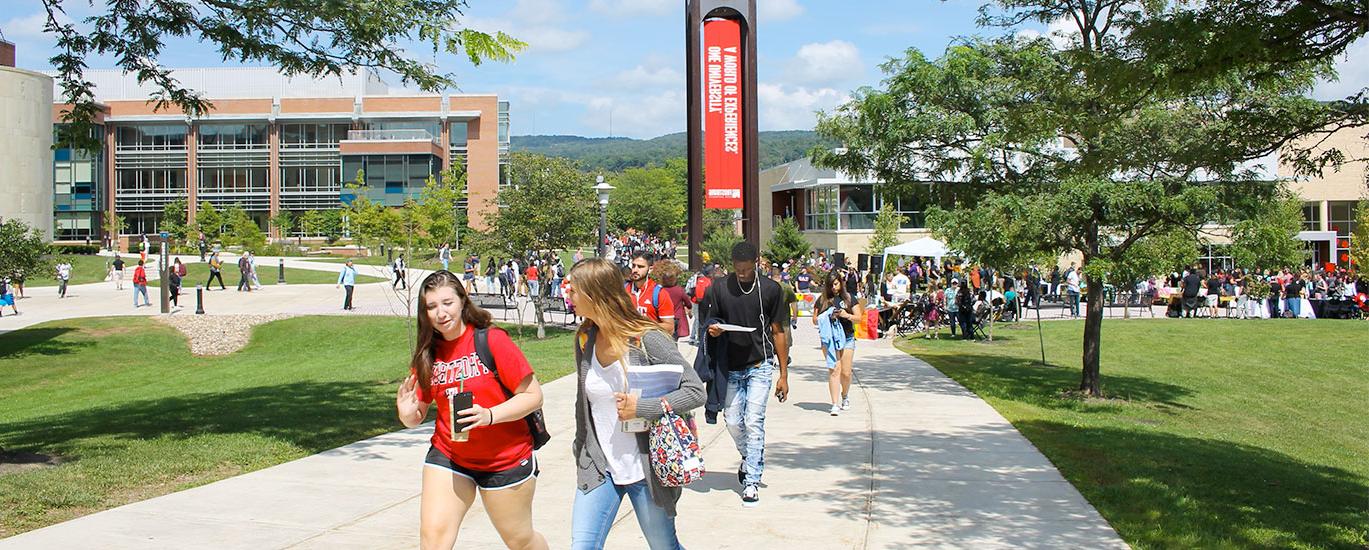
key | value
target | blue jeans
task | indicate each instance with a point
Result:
(748, 391)
(140, 289)
(593, 513)
(1294, 305)
(1074, 303)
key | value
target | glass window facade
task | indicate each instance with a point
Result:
(833, 207)
(1213, 257)
(78, 190)
(1311, 216)
(433, 127)
(1340, 217)
(309, 134)
(232, 180)
(391, 178)
(160, 137)
(233, 136)
(150, 181)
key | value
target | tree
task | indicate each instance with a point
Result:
(1359, 247)
(787, 243)
(1154, 255)
(1083, 141)
(440, 212)
(241, 229)
(1268, 239)
(298, 37)
(717, 245)
(113, 226)
(887, 224)
(649, 199)
(325, 223)
(173, 219)
(23, 250)
(550, 207)
(209, 221)
(370, 222)
(284, 221)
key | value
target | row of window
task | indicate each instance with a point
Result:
(292, 134)
(1340, 217)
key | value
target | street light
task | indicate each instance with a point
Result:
(602, 189)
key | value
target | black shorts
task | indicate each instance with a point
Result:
(489, 481)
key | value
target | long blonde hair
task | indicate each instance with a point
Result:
(615, 315)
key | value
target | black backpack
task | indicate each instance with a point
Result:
(537, 422)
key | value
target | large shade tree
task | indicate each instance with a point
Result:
(1090, 140)
(301, 37)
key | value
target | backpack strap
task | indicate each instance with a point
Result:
(656, 300)
(482, 351)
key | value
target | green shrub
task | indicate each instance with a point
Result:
(77, 249)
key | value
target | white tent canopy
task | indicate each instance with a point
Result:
(926, 247)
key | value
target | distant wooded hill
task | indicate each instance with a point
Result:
(617, 154)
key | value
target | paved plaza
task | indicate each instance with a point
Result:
(918, 461)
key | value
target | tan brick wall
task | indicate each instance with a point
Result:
(1346, 184)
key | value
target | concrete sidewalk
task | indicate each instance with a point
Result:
(918, 461)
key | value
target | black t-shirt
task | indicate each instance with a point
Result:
(725, 301)
(1293, 289)
(1214, 286)
(844, 304)
(1192, 282)
(118, 264)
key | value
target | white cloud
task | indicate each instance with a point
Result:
(537, 11)
(631, 8)
(794, 107)
(643, 76)
(825, 63)
(644, 116)
(29, 28)
(1352, 71)
(778, 10)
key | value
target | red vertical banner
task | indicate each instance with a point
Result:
(723, 114)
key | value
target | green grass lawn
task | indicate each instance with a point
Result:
(1213, 434)
(135, 415)
(197, 274)
(429, 262)
(84, 269)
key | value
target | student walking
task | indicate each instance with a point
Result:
(841, 351)
(215, 271)
(486, 446)
(252, 269)
(140, 285)
(739, 367)
(347, 278)
(612, 462)
(400, 276)
(173, 282)
(965, 303)
(63, 277)
(117, 272)
(444, 255)
(6, 298)
(952, 298)
(646, 293)
(244, 274)
(667, 274)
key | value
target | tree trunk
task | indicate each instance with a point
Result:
(538, 316)
(1093, 332)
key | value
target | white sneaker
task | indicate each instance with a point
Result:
(836, 409)
(845, 403)
(751, 496)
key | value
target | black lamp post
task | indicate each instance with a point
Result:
(602, 190)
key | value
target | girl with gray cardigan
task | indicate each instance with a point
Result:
(613, 463)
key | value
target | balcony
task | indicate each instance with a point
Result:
(389, 142)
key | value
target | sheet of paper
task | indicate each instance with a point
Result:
(735, 328)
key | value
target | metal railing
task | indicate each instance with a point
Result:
(412, 134)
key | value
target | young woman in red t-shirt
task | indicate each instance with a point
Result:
(488, 446)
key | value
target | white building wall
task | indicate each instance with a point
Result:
(26, 148)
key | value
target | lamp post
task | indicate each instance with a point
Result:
(602, 190)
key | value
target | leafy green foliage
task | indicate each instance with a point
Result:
(887, 223)
(1268, 239)
(619, 154)
(300, 37)
(209, 221)
(437, 214)
(284, 221)
(1359, 251)
(23, 250)
(173, 219)
(718, 243)
(649, 199)
(1088, 143)
(113, 225)
(241, 230)
(787, 243)
(327, 223)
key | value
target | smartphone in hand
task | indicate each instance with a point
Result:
(459, 402)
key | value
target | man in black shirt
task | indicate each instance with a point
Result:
(1192, 282)
(1292, 296)
(750, 359)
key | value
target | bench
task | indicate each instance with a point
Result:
(558, 305)
(492, 301)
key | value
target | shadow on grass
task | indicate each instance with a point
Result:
(38, 341)
(314, 416)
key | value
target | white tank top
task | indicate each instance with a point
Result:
(620, 448)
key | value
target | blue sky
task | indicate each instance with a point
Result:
(592, 60)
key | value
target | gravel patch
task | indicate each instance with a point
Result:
(218, 334)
